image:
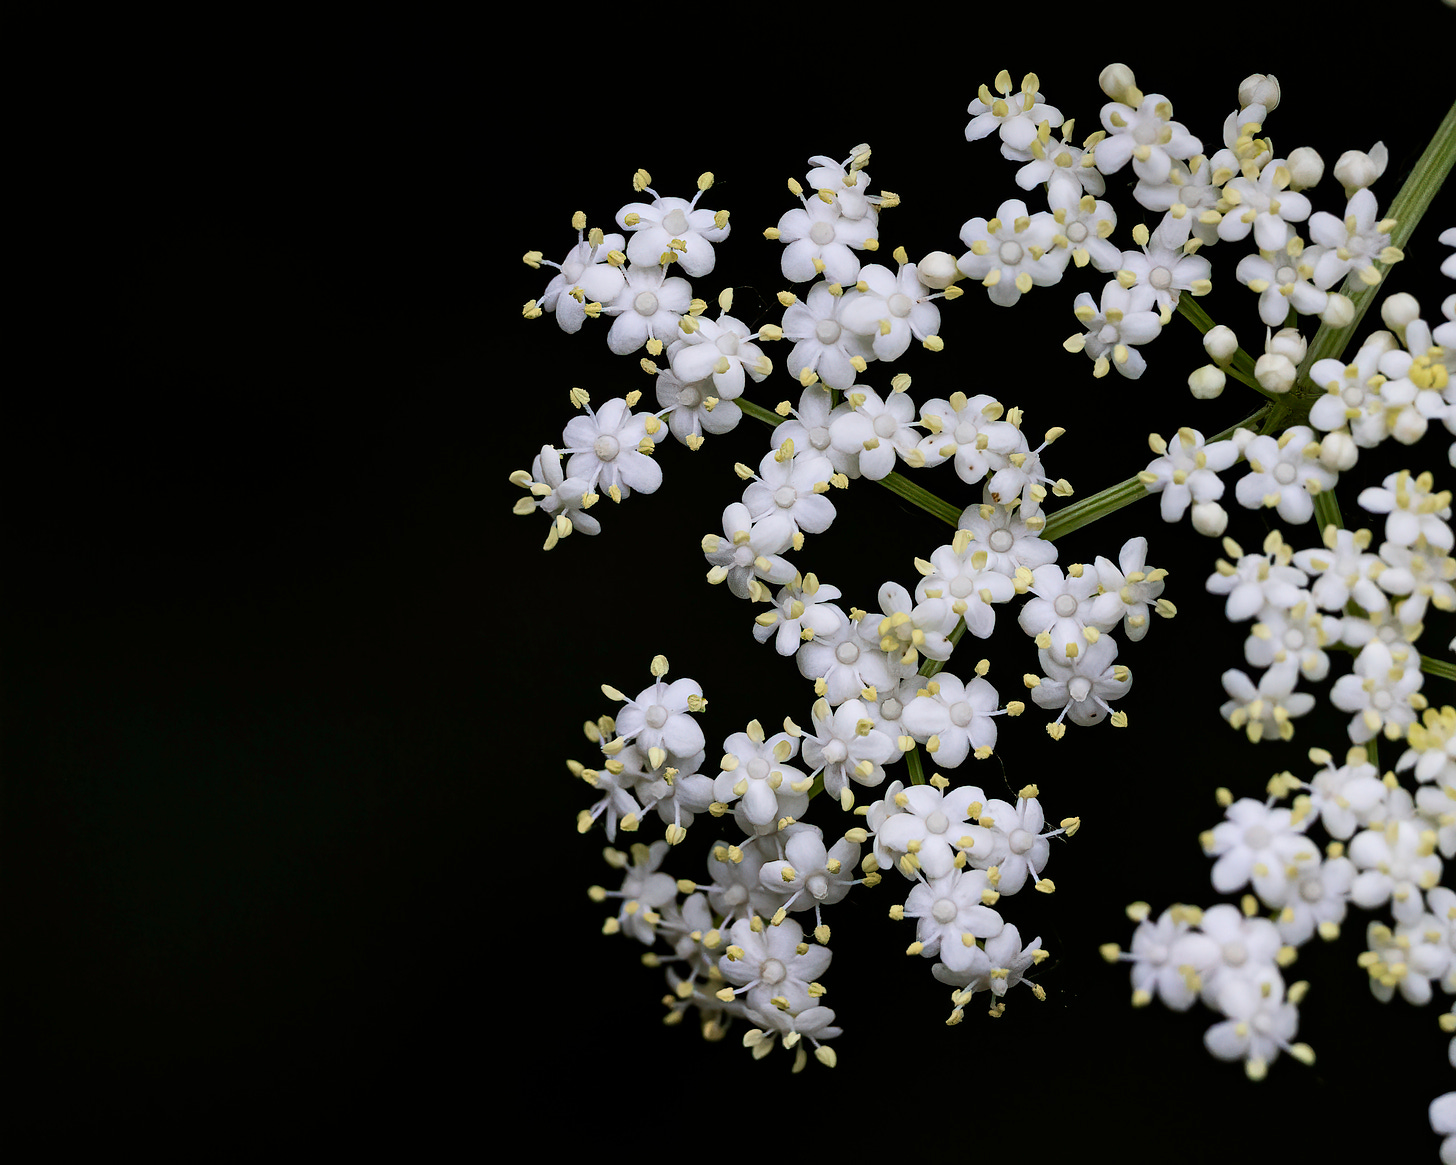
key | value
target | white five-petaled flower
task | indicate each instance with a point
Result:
(847, 747)
(648, 306)
(610, 448)
(786, 498)
(1015, 117)
(1284, 474)
(952, 915)
(1013, 252)
(676, 227)
(1123, 319)
(891, 308)
(823, 346)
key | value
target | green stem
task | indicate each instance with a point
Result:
(1438, 667)
(917, 771)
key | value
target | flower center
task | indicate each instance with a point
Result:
(1021, 840)
(645, 304)
(817, 885)
(1294, 638)
(966, 433)
(1311, 890)
(944, 910)
(1161, 278)
(727, 344)
(885, 425)
(891, 709)
(1001, 541)
(772, 972)
(961, 586)
(821, 234)
(785, 496)
(656, 716)
(1065, 606)
(1284, 473)
(758, 768)
(1352, 397)
(1285, 275)
(1010, 253)
(937, 822)
(847, 653)
(735, 895)
(675, 222)
(835, 752)
(1382, 700)
(1079, 688)
(690, 397)
(900, 304)
(1257, 837)
(1077, 232)
(819, 437)
(606, 447)
(1234, 954)
(961, 713)
(826, 332)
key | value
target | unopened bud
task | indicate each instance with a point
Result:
(1207, 382)
(1117, 81)
(1220, 343)
(1287, 342)
(1399, 310)
(1259, 89)
(1210, 519)
(1356, 169)
(1338, 451)
(1339, 311)
(1274, 372)
(1306, 168)
(937, 270)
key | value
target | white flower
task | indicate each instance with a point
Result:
(758, 778)
(808, 428)
(1352, 244)
(1083, 226)
(1415, 511)
(813, 875)
(823, 346)
(693, 409)
(1397, 862)
(847, 182)
(1164, 266)
(675, 227)
(891, 308)
(953, 719)
(821, 240)
(1383, 691)
(1147, 136)
(1020, 847)
(847, 747)
(1260, 583)
(909, 629)
(774, 963)
(963, 575)
(1012, 252)
(645, 890)
(1083, 687)
(649, 306)
(566, 499)
(1259, 843)
(1015, 117)
(1011, 539)
(1349, 797)
(802, 611)
(928, 829)
(1317, 900)
(843, 662)
(660, 715)
(787, 496)
(1356, 169)
(586, 276)
(743, 556)
(1169, 958)
(1129, 591)
(1297, 636)
(1284, 474)
(1123, 319)
(1266, 710)
(1260, 1023)
(969, 431)
(609, 449)
(1281, 277)
(1059, 614)
(952, 915)
(1343, 570)
(1002, 964)
(1264, 205)
(876, 429)
(721, 349)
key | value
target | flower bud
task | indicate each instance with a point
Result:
(1116, 81)
(1241, 439)
(1399, 310)
(1356, 169)
(1287, 342)
(1207, 382)
(937, 270)
(1274, 372)
(1338, 451)
(1210, 518)
(1306, 168)
(1220, 343)
(1339, 311)
(1259, 88)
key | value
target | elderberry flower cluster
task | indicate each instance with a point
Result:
(1340, 615)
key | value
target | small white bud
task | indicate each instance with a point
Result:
(1338, 451)
(1207, 382)
(1306, 168)
(1210, 518)
(1399, 310)
(1356, 169)
(1115, 81)
(1220, 343)
(1241, 439)
(1287, 342)
(1274, 372)
(937, 270)
(1339, 311)
(1261, 89)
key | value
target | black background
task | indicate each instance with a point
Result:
(288, 833)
